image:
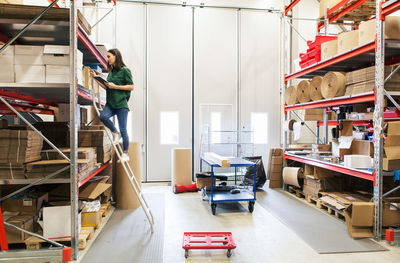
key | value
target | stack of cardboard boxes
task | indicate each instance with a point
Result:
(318, 180)
(98, 139)
(275, 167)
(18, 148)
(391, 160)
(7, 74)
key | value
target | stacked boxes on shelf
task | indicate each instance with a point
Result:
(391, 160)
(319, 180)
(275, 166)
(19, 147)
(29, 65)
(313, 54)
(98, 139)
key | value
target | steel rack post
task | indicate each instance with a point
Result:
(73, 129)
(326, 135)
(378, 120)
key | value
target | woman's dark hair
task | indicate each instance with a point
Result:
(119, 62)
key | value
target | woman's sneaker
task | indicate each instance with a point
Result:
(124, 157)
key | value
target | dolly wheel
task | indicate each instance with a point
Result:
(186, 253)
(229, 253)
(213, 208)
(251, 206)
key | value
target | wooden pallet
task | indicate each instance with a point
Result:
(104, 209)
(296, 191)
(86, 233)
(330, 210)
(362, 13)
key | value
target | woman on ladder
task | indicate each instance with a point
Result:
(118, 90)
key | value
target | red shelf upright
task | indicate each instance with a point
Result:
(291, 6)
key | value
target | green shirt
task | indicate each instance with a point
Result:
(118, 99)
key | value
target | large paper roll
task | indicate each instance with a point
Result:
(181, 166)
(289, 125)
(291, 95)
(333, 85)
(125, 196)
(315, 88)
(291, 175)
(303, 91)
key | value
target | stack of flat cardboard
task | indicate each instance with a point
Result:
(391, 160)
(275, 166)
(43, 168)
(85, 153)
(363, 80)
(98, 139)
(56, 132)
(93, 127)
(318, 180)
(18, 147)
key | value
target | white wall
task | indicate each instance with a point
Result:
(215, 64)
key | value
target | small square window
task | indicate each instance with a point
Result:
(169, 127)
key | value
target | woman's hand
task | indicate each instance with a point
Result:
(112, 85)
(92, 73)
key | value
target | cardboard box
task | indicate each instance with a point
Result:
(329, 49)
(326, 4)
(57, 78)
(56, 50)
(22, 221)
(321, 173)
(347, 128)
(276, 168)
(322, 147)
(94, 190)
(276, 176)
(87, 80)
(318, 115)
(3, 124)
(275, 184)
(358, 147)
(57, 70)
(368, 29)
(9, 51)
(91, 219)
(29, 204)
(203, 182)
(391, 164)
(308, 170)
(347, 41)
(390, 215)
(7, 73)
(30, 74)
(277, 160)
(64, 110)
(28, 50)
(359, 219)
(392, 144)
(57, 222)
(29, 60)
(358, 161)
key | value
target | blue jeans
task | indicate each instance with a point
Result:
(122, 115)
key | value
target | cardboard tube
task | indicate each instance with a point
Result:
(303, 91)
(181, 166)
(315, 88)
(291, 175)
(125, 195)
(291, 95)
(333, 85)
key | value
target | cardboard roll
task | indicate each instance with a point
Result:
(181, 166)
(303, 91)
(315, 88)
(291, 95)
(333, 85)
(293, 176)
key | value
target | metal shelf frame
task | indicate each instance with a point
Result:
(76, 94)
(381, 52)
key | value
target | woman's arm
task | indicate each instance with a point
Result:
(120, 87)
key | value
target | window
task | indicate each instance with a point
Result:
(169, 127)
(259, 125)
(215, 126)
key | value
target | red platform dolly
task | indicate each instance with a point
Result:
(208, 240)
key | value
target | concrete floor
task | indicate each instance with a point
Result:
(260, 237)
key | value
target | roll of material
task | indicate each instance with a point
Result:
(125, 196)
(303, 91)
(289, 125)
(291, 175)
(315, 88)
(181, 166)
(333, 85)
(291, 95)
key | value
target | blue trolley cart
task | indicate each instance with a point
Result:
(215, 197)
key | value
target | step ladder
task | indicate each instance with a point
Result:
(127, 168)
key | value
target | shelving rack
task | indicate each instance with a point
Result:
(379, 53)
(38, 24)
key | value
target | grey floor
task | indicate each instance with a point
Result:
(260, 237)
